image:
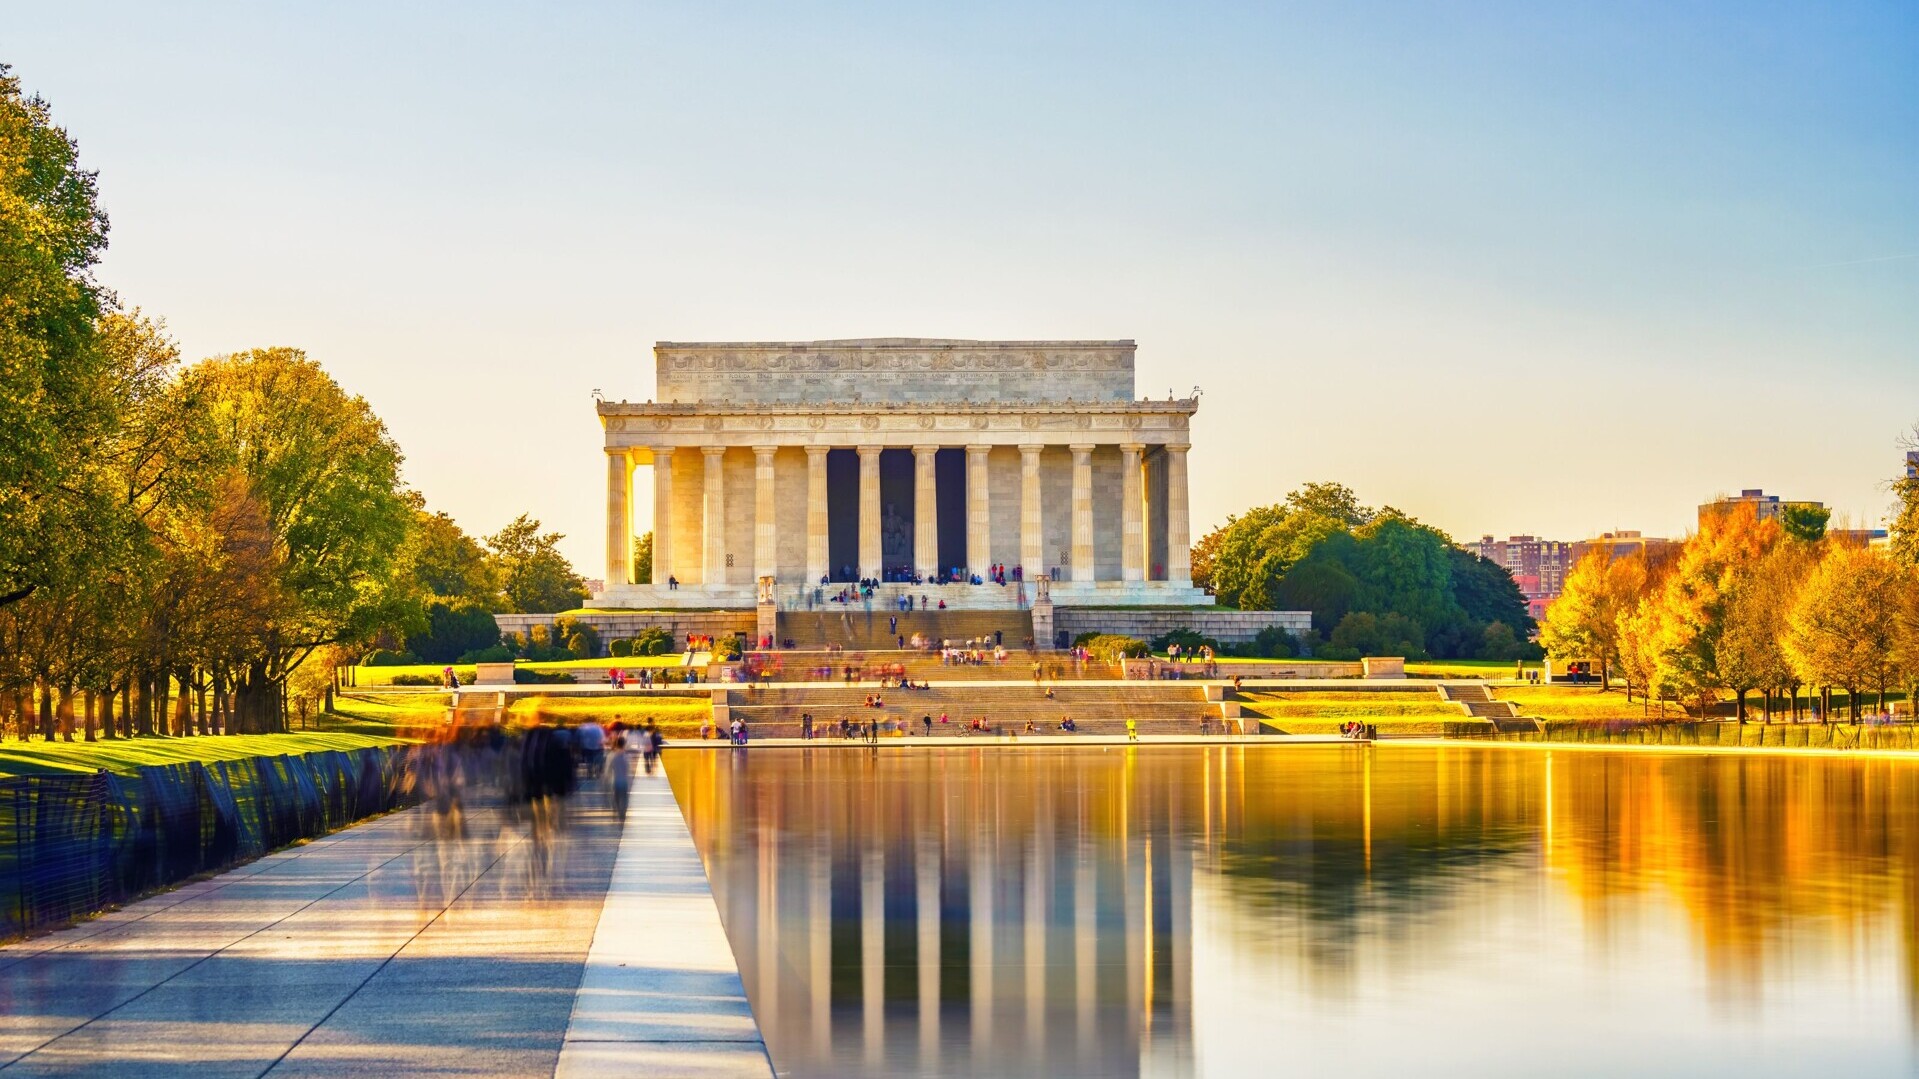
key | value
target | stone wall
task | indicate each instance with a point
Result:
(900, 370)
(1226, 627)
(631, 623)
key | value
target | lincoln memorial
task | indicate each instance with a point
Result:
(901, 459)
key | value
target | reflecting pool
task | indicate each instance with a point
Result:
(1306, 910)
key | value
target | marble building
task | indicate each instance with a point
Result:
(890, 457)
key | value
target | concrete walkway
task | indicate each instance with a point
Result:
(379, 950)
(661, 994)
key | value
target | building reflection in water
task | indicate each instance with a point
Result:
(1236, 910)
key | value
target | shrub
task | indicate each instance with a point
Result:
(567, 628)
(653, 641)
(386, 657)
(416, 679)
(514, 640)
(1112, 647)
(499, 653)
(452, 630)
(540, 636)
(547, 654)
(1272, 642)
(726, 649)
(579, 647)
(1085, 638)
(1187, 639)
(1370, 635)
(619, 647)
(524, 677)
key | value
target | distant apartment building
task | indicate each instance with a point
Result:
(1912, 464)
(1538, 566)
(1765, 506)
(1625, 542)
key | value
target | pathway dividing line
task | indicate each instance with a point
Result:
(661, 993)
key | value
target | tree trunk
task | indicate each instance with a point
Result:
(1739, 708)
(46, 712)
(107, 720)
(91, 716)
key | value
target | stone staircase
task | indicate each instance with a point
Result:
(859, 629)
(1477, 700)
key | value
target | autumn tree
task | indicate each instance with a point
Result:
(324, 474)
(1584, 623)
(1841, 631)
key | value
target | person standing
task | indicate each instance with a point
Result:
(1132, 730)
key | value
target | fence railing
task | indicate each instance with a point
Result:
(71, 845)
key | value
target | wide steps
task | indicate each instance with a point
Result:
(859, 628)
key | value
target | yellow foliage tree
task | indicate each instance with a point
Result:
(1689, 616)
(1841, 631)
(1583, 624)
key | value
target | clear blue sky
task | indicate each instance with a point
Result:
(1520, 267)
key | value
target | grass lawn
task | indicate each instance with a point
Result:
(1455, 724)
(1573, 702)
(416, 717)
(123, 755)
(383, 676)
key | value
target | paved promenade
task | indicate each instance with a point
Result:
(384, 950)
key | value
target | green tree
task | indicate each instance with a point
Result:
(1905, 512)
(324, 475)
(52, 408)
(447, 563)
(1803, 521)
(1487, 593)
(535, 578)
(643, 557)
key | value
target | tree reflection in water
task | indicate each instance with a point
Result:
(1236, 910)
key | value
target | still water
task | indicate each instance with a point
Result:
(1339, 910)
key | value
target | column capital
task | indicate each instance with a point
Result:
(1031, 449)
(662, 451)
(925, 451)
(1132, 447)
(1178, 447)
(1082, 447)
(764, 452)
(867, 451)
(713, 451)
(814, 453)
(978, 451)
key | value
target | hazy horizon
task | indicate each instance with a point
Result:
(1512, 270)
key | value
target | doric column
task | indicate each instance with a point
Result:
(979, 511)
(766, 551)
(662, 514)
(619, 521)
(1179, 530)
(1082, 513)
(1132, 524)
(713, 528)
(818, 552)
(926, 509)
(869, 511)
(1032, 538)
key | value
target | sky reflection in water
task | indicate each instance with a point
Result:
(1316, 910)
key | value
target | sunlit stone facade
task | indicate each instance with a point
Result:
(890, 457)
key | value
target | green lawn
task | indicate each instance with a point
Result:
(1454, 725)
(123, 755)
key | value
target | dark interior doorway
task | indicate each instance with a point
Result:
(843, 515)
(949, 466)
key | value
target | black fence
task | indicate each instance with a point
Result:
(71, 845)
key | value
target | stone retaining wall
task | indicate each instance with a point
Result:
(1226, 627)
(631, 623)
